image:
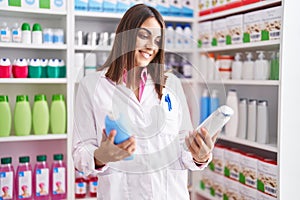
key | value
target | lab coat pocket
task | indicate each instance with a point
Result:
(177, 181)
(111, 186)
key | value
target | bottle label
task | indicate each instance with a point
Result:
(59, 182)
(80, 188)
(16, 36)
(25, 184)
(6, 183)
(42, 182)
(93, 186)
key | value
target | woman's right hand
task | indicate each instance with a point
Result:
(110, 152)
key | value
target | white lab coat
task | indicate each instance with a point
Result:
(159, 168)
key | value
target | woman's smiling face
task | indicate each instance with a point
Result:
(148, 42)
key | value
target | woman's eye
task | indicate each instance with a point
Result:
(158, 41)
(143, 36)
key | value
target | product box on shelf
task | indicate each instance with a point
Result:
(204, 7)
(175, 7)
(247, 192)
(235, 29)
(58, 5)
(272, 23)
(219, 32)
(3, 3)
(187, 8)
(109, 5)
(232, 163)
(204, 35)
(253, 25)
(123, 5)
(206, 181)
(217, 163)
(81, 5)
(248, 172)
(163, 7)
(267, 180)
(30, 4)
(231, 189)
(95, 5)
(217, 188)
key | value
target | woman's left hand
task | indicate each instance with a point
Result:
(200, 146)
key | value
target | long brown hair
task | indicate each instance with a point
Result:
(122, 55)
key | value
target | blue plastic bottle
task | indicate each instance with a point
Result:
(204, 106)
(214, 102)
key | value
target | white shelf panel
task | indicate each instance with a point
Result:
(25, 12)
(33, 46)
(270, 44)
(92, 48)
(179, 19)
(33, 138)
(33, 80)
(245, 82)
(267, 147)
(240, 9)
(186, 51)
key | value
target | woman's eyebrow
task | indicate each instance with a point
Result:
(148, 31)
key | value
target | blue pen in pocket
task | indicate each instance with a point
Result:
(168, 100)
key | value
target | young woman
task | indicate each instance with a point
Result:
(132, 84)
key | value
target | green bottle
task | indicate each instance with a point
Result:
(22, 116)
(5, 116)
(40, 115)
(58, 115)
(274, 66)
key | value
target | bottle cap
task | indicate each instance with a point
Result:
(263, 102)
(41, 158)
(6, 160)
(3, 98)
(24, 159)
(36, 27)
(58, 97)
(40, 97)
(22, 98)
(5, 62)
(25, 27)
(35, 62)
(58, 157)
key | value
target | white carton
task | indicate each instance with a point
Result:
(109, 5)
(247, 193)
(218, 186)
(205, 31)
(272, 22)
(3, 3)
(217, 163)
(231, 189)
(29, 4)
(248, 170)
(232, 164)
(58, 5)
(267, 180)
(235, 28)
(206, 180)
(220, 31)
(253, 25)
(95, 5)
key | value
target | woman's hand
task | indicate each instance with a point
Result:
(109, 152)
(200, 146)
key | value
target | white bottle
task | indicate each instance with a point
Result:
(248, 67)
(231, 127)
(16, 33)
(262, 129)
(170, 37)
(242, 127)
(261, 67)
(179, 37)
(211, 67)
(187, 37)
(5, 35)
(187, 68)
(251, 126)
(201, 71)
(237, 66)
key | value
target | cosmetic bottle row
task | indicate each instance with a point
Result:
(39, 182)
(85, 186)
(39, 119)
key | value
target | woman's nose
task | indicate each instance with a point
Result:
(151, 44)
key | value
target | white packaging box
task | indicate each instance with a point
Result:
(95, 5)
(205, 31)
(235, 28)
(188, 8)
(3, 3)
(231, 189)
(248, 170)
(272, 22)
(31, 4)
(206, 180)
(163, 7)
(217, 163)
(58, 5)
(81, 5)
(267, 177)
(109, 5)
(232, 164)
(253, 24)
(247, 193)
(175, 7)
(219, 31)
(123, 5)
(218, 186)
(263, 196)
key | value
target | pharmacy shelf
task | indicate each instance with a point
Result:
(33, 80)
(266, 147)
(266, 45)
(185, 51)
(84, 15)
(33, 46)
(92, 48)
(204, 194)
(32, 13)
(33, 138)
(241, 9)
(243, 82)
